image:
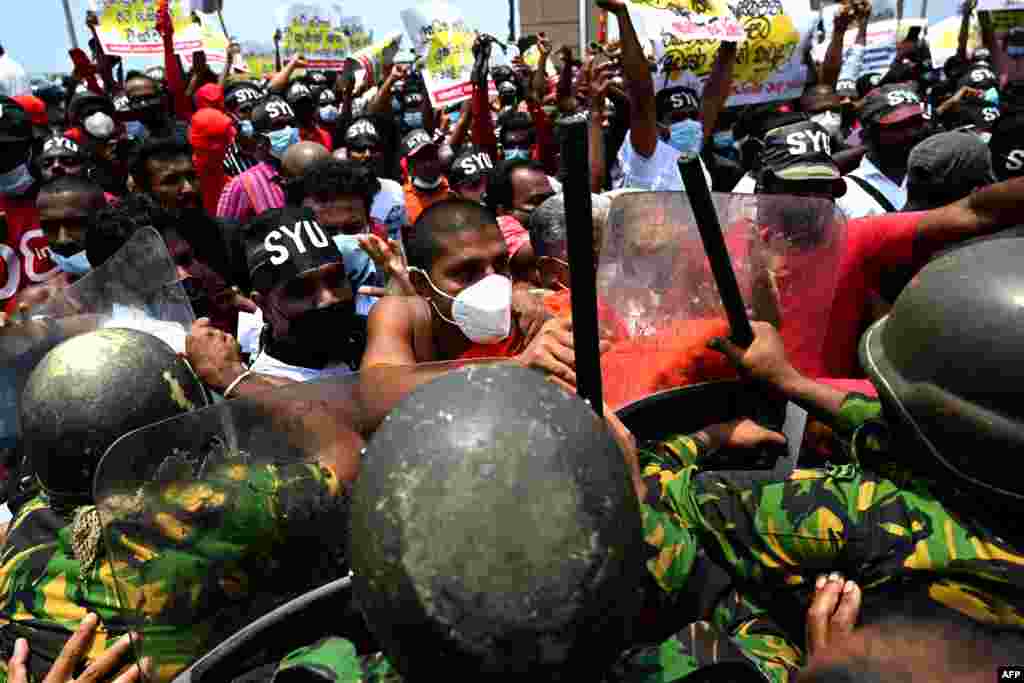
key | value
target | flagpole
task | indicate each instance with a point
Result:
(72, 36)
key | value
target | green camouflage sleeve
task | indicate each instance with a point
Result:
(782, 533)
(334, 660)
(186, 553)
(738, 631)
(856, 410)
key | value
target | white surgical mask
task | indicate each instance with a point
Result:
(427, 186)
(99, 125)
(828, 120)
(482, 311)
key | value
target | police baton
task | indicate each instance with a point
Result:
(699, 194)
(579, 223)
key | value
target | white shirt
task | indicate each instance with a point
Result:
(127, 317)
(265, 364)
(13, 79)
(857, 203)
(389, 208)
(746, 185)
(659, 173)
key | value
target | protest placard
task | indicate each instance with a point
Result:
(128, 27)
(441, 36)
(769, 60)
(1000, 5)
(320, 33)
(673, 21)
(375, 59)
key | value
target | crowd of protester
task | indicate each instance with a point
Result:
(322, 224)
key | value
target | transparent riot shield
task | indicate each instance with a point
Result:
(657, 298)
(137, 287)
(214, 518)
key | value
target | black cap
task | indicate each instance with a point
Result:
(893, 103)
(270, 111)
(949, 160)
(469, 167)
(847, 87)
(972, 113)
(867, 83)
(282, 244)
(15, 124)
(1007, 146)
(362, 133)
(980, 76)
(799, 151)
(299, 91)
(58, 145)
(415, 141)
(238, 95)
(677, 100)
(756, 120)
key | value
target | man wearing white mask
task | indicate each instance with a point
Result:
(458, 265)
(254, 191)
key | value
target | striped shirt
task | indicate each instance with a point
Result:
(250, 194)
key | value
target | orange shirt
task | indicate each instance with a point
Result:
(417, 201)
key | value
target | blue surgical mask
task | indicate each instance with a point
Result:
(16, 182)
(992, 96)
(281, 140)
(358, 264)
(328, 113)
(245, 129)
(517, 153)
(725, 144)
(76, 264)
(455, 116)
(413, 119)
(136, 130)
(1015, 51)
(686, 137)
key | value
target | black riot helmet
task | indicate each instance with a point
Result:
(946, 362)
(495, 531)
(89, 391)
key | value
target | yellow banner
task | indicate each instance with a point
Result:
(128, 27)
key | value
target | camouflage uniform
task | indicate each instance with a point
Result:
(775, 537)
(180, 555)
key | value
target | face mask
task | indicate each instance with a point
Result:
(245, 129)
(99, 125)
(16, 182)
(482, 311)
(413, 119)
(829, 121)
(687, 137)
(76, 264)
(329, 113)
(281, 140)
(455, 116)
(992, 96)
(517, 153)
(1015, 51)
(136, 130)
(426, 185)
(358, 264)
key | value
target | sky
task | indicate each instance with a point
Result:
(33, 31)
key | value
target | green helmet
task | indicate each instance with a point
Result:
(91, 390)
(947, 365)
(495, 531)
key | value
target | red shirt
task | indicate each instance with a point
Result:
(317, 134)
(25, 254)
(873, 244)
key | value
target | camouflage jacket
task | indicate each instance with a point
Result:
(175, 559)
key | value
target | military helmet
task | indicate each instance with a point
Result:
(495, 530)
(947, 365)
(92, 389)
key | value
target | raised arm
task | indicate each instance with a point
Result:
(718, 87)
(643, 124)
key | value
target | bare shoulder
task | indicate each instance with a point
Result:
(391, 332)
